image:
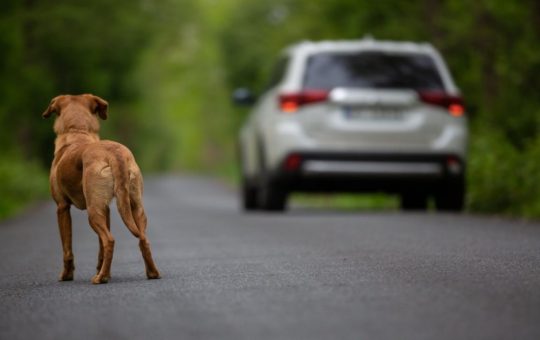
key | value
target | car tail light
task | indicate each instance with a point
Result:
(292, 162)
(454, 165)
(291, 102)
(454, 104)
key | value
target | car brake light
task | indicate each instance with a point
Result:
(454, 104)
(291, 102)
(453, 165)
(292, 162)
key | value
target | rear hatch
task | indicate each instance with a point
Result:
(375, 100)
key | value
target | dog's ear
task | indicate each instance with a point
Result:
(53, 108)
(101, 107)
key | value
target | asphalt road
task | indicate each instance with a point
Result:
(308, 274)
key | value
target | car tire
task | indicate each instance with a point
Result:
(414, 201)
(249, 192)
(249, 196)
(451, 195)
(272, 197)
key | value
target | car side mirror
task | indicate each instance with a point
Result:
(243, 97)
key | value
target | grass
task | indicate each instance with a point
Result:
(353, 202)
(21, 182)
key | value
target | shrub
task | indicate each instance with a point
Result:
(501, 178)
(21, 182)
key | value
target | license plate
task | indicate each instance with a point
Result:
(373, 114)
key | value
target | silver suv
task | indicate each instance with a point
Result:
(355, 116)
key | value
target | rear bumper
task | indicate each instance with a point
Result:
(370, 169)
(367, 172)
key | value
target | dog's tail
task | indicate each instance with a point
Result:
(121, 191)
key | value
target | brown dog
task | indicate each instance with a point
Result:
(88, 172)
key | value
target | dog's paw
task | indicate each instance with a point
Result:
(66, 276)
(153, 275)
(97, 279)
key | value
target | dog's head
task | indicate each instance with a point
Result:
(77, 112)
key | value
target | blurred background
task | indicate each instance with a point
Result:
(168, 67)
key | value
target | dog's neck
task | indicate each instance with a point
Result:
(73, 137)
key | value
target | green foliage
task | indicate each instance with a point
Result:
(65, 47)
(347, 202)
(506, 179)
(188, 95)
(21, 182)
(494, 181)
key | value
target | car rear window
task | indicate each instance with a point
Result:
(378, 70)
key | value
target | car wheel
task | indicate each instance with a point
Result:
(249, 196)
(414, 201)
(272, 197)
(451, 195)
(249, 192)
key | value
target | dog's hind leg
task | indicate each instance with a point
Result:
(64, 225)
(137, 210)
(98, 192)
(98, 221)
(140, 219)
(100, 254)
